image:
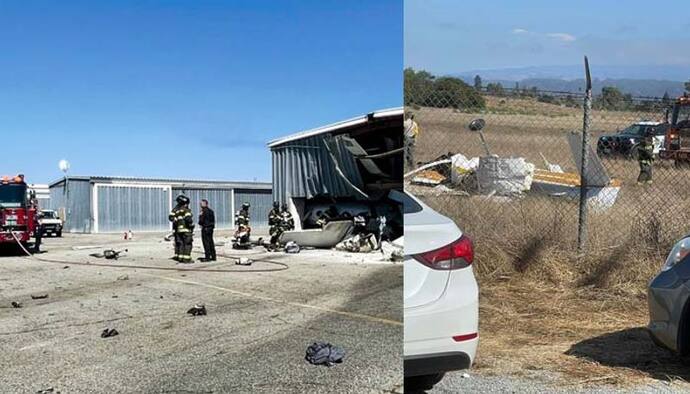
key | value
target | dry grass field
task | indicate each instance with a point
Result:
(541, 306)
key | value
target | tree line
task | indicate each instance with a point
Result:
(425, 89)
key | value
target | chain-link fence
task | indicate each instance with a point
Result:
(517, 181)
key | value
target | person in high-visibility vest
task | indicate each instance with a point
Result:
(411, 134)
(183, 226)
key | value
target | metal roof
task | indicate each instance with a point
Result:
(385, 113)
(173, 182)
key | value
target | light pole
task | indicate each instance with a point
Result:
(64, 167)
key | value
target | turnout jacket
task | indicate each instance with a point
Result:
(181, 218)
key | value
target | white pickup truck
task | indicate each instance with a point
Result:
(50, 222)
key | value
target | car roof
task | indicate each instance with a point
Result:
(648, 123)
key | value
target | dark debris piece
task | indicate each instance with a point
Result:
(47, 391)
(39, 297)
(15, 304)
(197, 310)
(323, 353)
(109, 332)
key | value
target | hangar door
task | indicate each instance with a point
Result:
(118, 208)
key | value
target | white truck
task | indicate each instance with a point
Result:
(50, 223)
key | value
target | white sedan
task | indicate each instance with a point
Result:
(441, 297)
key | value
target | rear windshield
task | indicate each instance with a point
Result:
(49, 215)
(410, 205)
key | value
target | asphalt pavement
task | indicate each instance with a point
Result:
(253, 339)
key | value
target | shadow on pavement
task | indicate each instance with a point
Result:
(632, 348)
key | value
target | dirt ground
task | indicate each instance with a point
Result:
(253, 339)
(588, 336)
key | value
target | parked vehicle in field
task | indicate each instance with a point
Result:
(50, 222)
(625, 142)
(441, 301)
(677, 142)
(669, 301)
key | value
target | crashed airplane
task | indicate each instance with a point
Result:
(342, 179)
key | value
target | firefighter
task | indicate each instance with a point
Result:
(207, 222)
(288, 223)
(275, 222)
(183, 226)
(411, 133)
(325, 217)
(243, 231)
(38, 233)
(645, 156)
(243, 215)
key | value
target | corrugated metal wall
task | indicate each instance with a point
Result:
(219, 200)
(122, 208)
(304, 168)
(79, 200)
(261, 203)
(44, 203)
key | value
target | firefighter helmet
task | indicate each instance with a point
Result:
(245, 205)
(182, 199)
(276, 204)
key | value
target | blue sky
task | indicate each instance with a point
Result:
(185, 89)
(446, 36)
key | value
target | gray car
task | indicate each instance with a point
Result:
(668, 295)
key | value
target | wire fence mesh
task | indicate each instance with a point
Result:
(518, 181)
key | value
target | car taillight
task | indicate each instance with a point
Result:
(458, 254)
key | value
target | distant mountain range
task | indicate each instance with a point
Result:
(652, 81)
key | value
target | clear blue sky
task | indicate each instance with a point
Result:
(185, 89)
(446, 36)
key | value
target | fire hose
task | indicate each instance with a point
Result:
(279, 266)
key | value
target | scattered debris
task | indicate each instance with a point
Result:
(393, 251)
(65, 267)
(443, 160)
(39, 297)
(243, 261)
(197, 310)
(47, 391)
(359, 243)
(109, 254)
(123, 277)
(292, 247)
(429, 177)
(15, 304)
(465, 375)
(323, 353)
(109, 332)
(504, 176)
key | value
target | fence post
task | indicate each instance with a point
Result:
(586, 121)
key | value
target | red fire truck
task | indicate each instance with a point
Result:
(677, 143)
(18, 212)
